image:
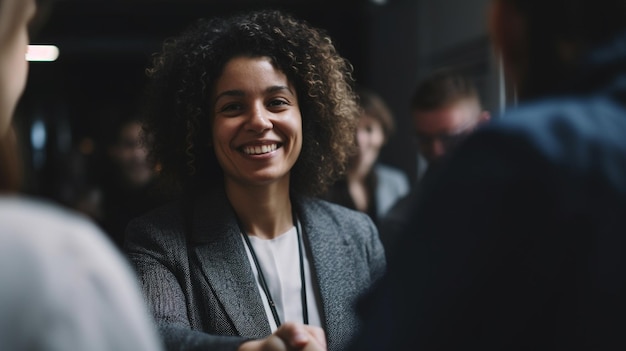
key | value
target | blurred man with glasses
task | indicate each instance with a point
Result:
(445, 108)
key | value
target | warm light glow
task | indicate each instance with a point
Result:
(42, 53)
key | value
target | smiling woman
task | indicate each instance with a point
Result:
(257, 124)
(250, 117)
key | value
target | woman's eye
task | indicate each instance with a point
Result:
(278, 102)
(231, 107)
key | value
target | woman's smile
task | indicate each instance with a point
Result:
(257, 126)
(263, 149)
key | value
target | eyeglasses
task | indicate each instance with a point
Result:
(447, 140)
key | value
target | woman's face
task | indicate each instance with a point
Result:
(371, 138)
(257, 125)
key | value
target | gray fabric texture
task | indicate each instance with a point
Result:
(197, 279)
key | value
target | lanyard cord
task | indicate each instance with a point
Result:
(305, 310)
(262, 281)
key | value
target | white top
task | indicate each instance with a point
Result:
(279, 259)
(64, 286)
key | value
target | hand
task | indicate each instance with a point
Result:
(290, 336)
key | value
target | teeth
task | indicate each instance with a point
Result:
(258, 150)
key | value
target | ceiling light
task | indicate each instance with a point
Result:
(44, 53)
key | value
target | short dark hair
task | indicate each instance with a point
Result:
(441, 88)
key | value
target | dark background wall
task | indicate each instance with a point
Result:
(105, 46)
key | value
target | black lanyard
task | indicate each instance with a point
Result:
(266, 290)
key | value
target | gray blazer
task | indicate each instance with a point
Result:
(199, 284)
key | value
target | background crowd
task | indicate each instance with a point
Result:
(244, 203)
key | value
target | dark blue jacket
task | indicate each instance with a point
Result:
(520, 244)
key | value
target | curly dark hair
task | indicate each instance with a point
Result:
(178, 110)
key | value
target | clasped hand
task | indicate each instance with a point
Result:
(290, 336)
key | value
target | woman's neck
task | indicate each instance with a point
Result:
(262, 211)
(359, 171)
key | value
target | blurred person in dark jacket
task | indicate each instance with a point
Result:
(534, 258)
(445, 108)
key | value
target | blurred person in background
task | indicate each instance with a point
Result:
(369, 185)
(63, 285)
(519, 244)
(445, 108)
(127, 178)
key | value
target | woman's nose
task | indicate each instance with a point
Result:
(259, 119)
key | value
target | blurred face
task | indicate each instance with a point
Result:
(257, 125)
(439, 131)
(131, 156)
(14, 18)
(371, 138)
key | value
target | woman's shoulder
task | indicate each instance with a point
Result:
(331, 224)
(163, 223)
(388, 172)
(50, 234)
(326, 211)
(320, 204)
(387, 169)
(55, 252)
(29, 214)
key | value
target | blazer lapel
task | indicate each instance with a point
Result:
(332, 266)
(219, 247)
